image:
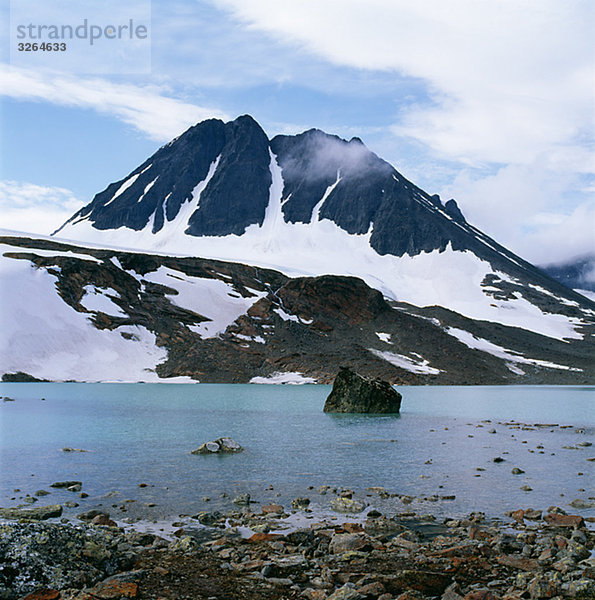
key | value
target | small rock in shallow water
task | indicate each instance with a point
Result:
(223, 445)
(242, 500)
(578, 503)
(300, 503)
(517, 471)
(346, 505)
(39, 513)
(65, 484)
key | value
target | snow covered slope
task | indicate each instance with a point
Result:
(91, 314)
(314, 204)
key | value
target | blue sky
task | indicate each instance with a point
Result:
(491, 103)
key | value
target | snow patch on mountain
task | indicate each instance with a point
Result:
(45, 337)
(100, 300)
(292, 378)
(50, 253)
(477, 343)
(384, 337)
(586, 293)
(214, 299)
(413, 364)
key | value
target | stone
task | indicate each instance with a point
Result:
(268, 509)
(582, 588)
(300, 503)
(480, 595)
(520, 562)
(346, 505)
(584, 504)
(345, 542)
(65, 484)
(114, 590)
(517, 515)
(242, 500)
(542, 587)
(209, 519)
(39, 513)
(184, 545)
(90, 514)
(517, 471)
(347, 592)
(354, 393)
(43, 594)
(532, 514)
(371, 590)
(428, 582)
(222, 445)
(103, 520)
(558, 520)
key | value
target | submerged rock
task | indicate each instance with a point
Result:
(39, 513)
(223, 445)
(354, 393)
(66, 484)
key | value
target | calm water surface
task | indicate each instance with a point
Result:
(143, 433)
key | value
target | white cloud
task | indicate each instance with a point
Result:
(508, 79)
(35, 208)
(145, 108)
(510, 96)
(522, 207)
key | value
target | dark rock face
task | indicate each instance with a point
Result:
(238, 193)
(353, 393)
(176, 169)
(235, 197)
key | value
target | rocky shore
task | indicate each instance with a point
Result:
(274, 553)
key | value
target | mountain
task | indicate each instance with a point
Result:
(89, 314)
(228, 256)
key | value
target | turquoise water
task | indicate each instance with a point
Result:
(143, 433)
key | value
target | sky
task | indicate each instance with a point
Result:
(488, 102)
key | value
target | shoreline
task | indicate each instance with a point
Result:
(274, 552)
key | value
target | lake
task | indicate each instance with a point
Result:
(440, 445)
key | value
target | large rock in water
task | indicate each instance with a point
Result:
(354, 393)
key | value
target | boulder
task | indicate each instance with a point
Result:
(40, 513)
(354, 393)
(223, 445)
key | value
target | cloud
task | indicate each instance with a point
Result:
(523, 207)
(146, 108)
(35, 208)
(507, 79)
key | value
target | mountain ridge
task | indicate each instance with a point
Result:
(111, 315)
(229, 257)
